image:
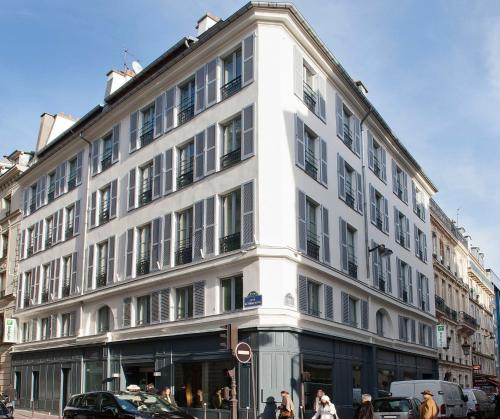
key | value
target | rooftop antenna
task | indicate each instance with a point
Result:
(458, 211)
(136, 66)
(125, 52)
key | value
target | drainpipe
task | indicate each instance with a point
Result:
(365, 206)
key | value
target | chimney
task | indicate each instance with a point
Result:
(361, 87)
(51, 126)
(206, 22)
(116, 79)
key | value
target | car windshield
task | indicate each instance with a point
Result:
(391, 405)
(143, 402)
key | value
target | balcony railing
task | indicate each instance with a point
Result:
(349, 195)
(311, 164)
(440, 303)
(30, 250)
(106, 159)
(186, 110)
(48, 239)
(405, 296)
(381, 283)
(230, 88)
(66, 289)
(101, 277)
(143, 264)
(71, 181)
(309, 97)
(104, 214)
(230, 158)
(313, 245)
(399, 190)
(184, 253)
(146, 134)
(26, 302)
(32, 206)
(347, 136)
(379, 222)
(468, 320)
(146, 194)
(51, 193)
(352, 264)
(376, 166)
(185, 173)
(230, 242)
(45, 296)
(69, 231)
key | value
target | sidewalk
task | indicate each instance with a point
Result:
(25, 414)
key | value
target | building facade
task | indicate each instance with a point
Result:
(10, 215)
(243, 177)
(495, 281)
(453, 309)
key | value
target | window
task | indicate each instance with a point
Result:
(105, 200)
(313, 243)
(349, 310)
(30, 241)
(47, 277)
(35, 389)
(5, 245)
(404, 326)
(185, 169)
(143, 310)
(402, 227)
(28, 280)
(311, 152)
(310, 98)
(146, 183)
(146, 132)
(231, 146)
(232, 293)
(7, 205)
(65, 321)
(52, 187)
(107, 151)
(350, 186)
(66, 276)
(184, 302)
(72, 174)
(426, 335)
(418, 201)
(186, 105)
(144, 250)
(231, 222)
(232, 74)
(423, 298)
(2, 285)
(380, 320)
(379, 209)
(400, 182)
(184, 252)
(405, 284)
(45, 328)
(376, 158)
(49, 231)
(420, 244)
(381, 269)
(33, 198)
(352, 263)
(313, 298)
(70, 217)
(102, 264)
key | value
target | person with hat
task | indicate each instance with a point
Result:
(428, 408)
(365, 409)
(326, 409)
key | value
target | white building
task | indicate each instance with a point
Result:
(243, 162)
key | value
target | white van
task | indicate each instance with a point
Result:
(449, 397)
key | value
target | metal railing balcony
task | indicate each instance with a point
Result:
(32, 206)
(376, 166)
(185, 173)
(184, 252)
(106, 160)
(186, 110)
(468, 321)
(104, 214)
(311, 164)
(352, 265)
(51, 193)
(230, 158)
(230, 88)
(230, 242)
(348, 136)
(350, 199)
(69, 231)
(143, 265)
(146, 133)
(313, 311)
(66, 289)
(440, 303)
(312, 245)
(146, 193)
(101, 278)
(71, 181)
(310, 98)
(45, 296)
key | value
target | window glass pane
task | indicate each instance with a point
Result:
(226, 294)
(238, 293)
(93, 380)
(356, 385)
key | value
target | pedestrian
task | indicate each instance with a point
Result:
(428, 408)
(326, 409)
(365, 409)
(150, 388)
(168, 397)
(317, 401)
(286, 408)
(198, 399)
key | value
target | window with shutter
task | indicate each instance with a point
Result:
(169, 108)
(199, 298)
(134, 121)
(157, 175)
(155, 307)
(127, 312)
(325, 226)
(328, 302)
(199, 227)
(156, 245)
(210, 149)
(248, 47)
(199, 155)
(302, 294)
(169, 186)
(165, 305)
(200, 82)
(167, 240)
(90, 267)
(210, 226)
(364, 314)
(111, 260)
(132, 189)
(232, 150)
(158, 116)
(247, 213)
(248, 132)
(300, 142)
(345, 308)
(130, 253)
(211, 83)
(115, 146)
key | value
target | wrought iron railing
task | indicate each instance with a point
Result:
(230, 242)
(186, 110)
(185, 173)
(440, 304)
(468, 320)
(311, 163)
(51, 192)
(146, 194)
(313, 244)
(347, 136)
(72, 181)
(143, 264)
(184, 252)
(309, 97)
(352, 264)
(66, 289)
(146, 134)
(69, 231)
(45, 296)
(104, 214)
(349, 195)
(376, 166)
(106, 159)
(230, 88)
(230, 158)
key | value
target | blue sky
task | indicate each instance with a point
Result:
(432, 69)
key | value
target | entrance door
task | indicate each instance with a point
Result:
(64, 387)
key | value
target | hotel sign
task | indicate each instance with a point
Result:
(441, 336)
(10, 331)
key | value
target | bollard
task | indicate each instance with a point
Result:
(301, 408)
(204, 411)
(248, 409)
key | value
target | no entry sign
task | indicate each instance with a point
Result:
(243, 352)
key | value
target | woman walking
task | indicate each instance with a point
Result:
(365, 409)
(326, 409)
(286, 408)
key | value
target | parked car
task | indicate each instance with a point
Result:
(125, 405)
(449, 397)
(5, 412)
(396, 408)
(479, 404)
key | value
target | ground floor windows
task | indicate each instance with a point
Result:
(316, 376)
(385, 377)
(93, 375)
(356, 385)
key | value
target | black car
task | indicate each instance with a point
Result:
(124, 405)
(5, 412)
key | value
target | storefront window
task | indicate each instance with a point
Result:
(409, 375)
(356, 385)
(93, 375)
(316, 376)
(385, 378)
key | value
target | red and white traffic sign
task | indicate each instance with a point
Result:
(243, 352)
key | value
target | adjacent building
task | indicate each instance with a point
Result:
(495, 281)
(243, 177)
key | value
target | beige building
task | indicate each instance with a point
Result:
(10, 168)
(450, 254)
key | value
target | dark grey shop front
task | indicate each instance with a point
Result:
(195, 365)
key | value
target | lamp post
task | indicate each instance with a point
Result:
(382, 250)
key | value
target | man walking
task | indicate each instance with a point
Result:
(428, 408)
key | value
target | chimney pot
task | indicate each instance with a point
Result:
(206, 22)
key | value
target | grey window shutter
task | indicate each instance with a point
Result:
(412, 326)
(167, 239)
(341, 176)
(345, 308)
(168, 172)
(357, 136)
(198, 230)
(386, 215)
(388, 276)
(200, 81)
(157, 175)
(397, 226)
(343, 244)
(90, 267)
(419, 289)
(373, 204)
(394, 177)
(321, 97)
(130, 253)
(169, 108)
(300, 143)
(421, 336)
(328, 302)
(414, 195)
(248, 60)
(36, 235)
(210, 226)
(364, 314)
(115, 152)
(324, 162)
(407, 232)
(26, 199)
(53, 326)
(93, 205)
(57, 273)
(430, 337)
(199, 154)
(76, 220)
(424, 246)
(302, 294)
(79, 164)
(43, 187)
(401, 327)
(155, 306)
(111, 260)
(298, 72)
(371, 150)
(302, 221)
(60, 225)
(247, 149)
(23, 243)
(62, 179)
(376, 269)
(426, 294)
(95, 157)
(72, 323)
(156, 245)
(359, 198)
(210, 149)
(199, 298)
(383, 164)
(417, 246)
(56, 182)
(165, 305)
(134, 121)
(37, 194)
(113, 204)
(127, 315)
(339, 110)
(410, 282)
(211, 82)
(40, 235)
(405, 187)
(37, 285)
(247, 213)
(159, 108)
(74, 273)
(399, 273)
(326, 235)
(131, 189)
